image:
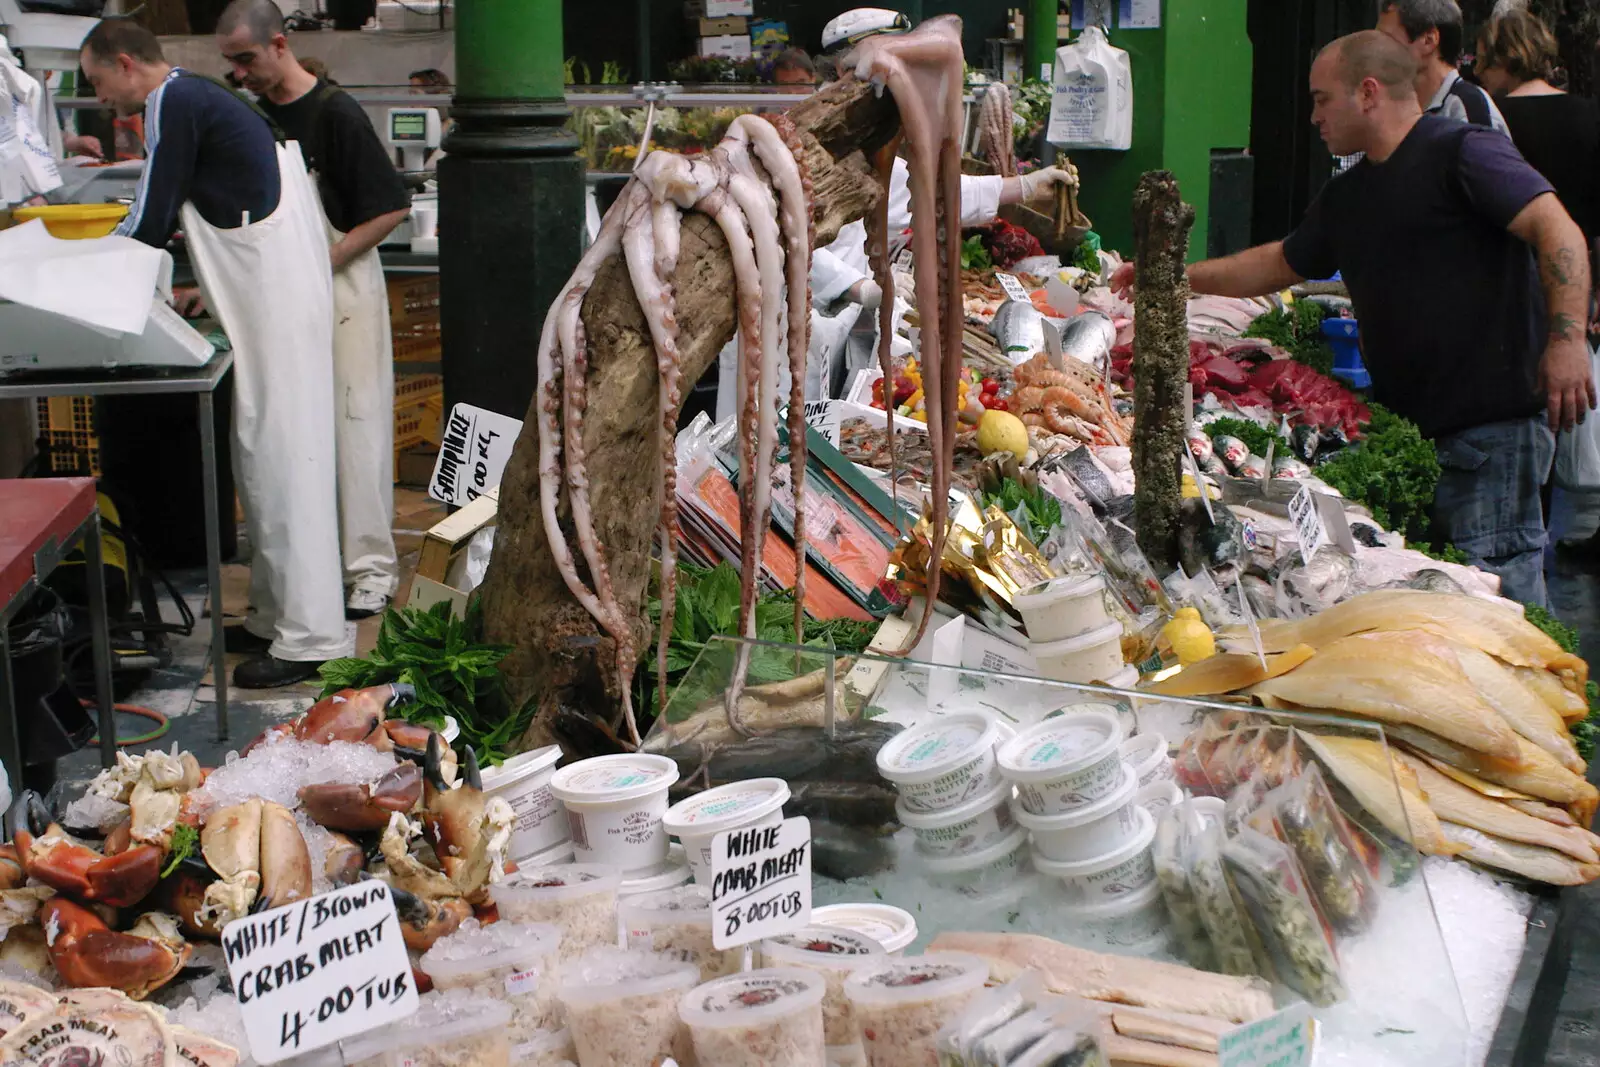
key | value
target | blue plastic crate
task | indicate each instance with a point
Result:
(1344, 337)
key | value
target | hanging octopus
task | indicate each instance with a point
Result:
(756, 188)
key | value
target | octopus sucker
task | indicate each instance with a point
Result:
(923, 71)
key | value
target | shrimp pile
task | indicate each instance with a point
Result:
(1073, 402)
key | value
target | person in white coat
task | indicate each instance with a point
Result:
(254, 235)
(363, 200)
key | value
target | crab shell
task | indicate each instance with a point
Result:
(363, 807)
(86, 952)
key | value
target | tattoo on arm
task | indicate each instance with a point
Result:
(1564, 327)
(1559, 266)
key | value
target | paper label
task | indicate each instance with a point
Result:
(1139, 15)
(823, 417)
(522, 983)
(1309, 529)
(760, 882)
(1013, 288)
(319, 971)
(473, 451)
(1284, 1039)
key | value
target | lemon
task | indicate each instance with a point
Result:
(1191, 639)
(1001, 431)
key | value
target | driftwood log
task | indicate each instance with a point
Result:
(1161, 222)
(560, 655)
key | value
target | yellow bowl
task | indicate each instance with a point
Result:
(71, 222)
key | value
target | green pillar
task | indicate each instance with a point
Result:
(1039, 37)
(511, 200)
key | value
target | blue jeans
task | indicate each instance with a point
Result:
(1487, 503)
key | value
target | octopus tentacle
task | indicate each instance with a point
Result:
(883, 274)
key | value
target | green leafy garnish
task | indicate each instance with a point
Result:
(1558, 631)
(1393, 471)
(1041, 508)
(185, 839)
(973, 255)
(1255, 437)
(453, 672)
(1446, 553)
(1297, 330)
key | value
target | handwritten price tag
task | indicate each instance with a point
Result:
(760, 882)
(1013, 288)
(1309, 530)
(1284, 1039)
(319, 971)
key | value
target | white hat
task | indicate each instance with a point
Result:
(860, 23)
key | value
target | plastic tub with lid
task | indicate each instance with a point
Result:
(1091, 657)
(1135, 920)
(943, 762)
(1065, 762)
(966, 828)
(449, 1029)
(835, 954)
(451, 731)
(550, 857)
(1159, 797)
(670, 875)
(1063, 607)
(1088, 832)
(1147, 754)
(765, 1018)
(736, 806)
(614, 808)
(510, 962)
(579, 899)
(902, 1004)
(622, 1007)
(523, 781)
(547, 1048)
(677, 922)
(980, 873)
(893, 928)
(1125, 869)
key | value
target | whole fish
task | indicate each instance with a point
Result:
(1210, 542)
(1088, 337)
(1018, 329)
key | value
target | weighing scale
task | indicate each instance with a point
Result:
(416, 131)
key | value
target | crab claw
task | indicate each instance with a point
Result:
(28, 814)
(422, 922)
(351, 715)
(79, 871)
(260, 859)
(11, 873)
(349, 806)
(345, 861)
(88, 953)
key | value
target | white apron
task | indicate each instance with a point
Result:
(363, 422)
(269, 283)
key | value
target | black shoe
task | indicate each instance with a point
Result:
(239, 639)
(269, 672)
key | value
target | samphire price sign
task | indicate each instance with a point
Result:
(319, 971)
(760, 882)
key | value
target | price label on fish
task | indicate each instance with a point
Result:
(1283, 1039)
(319, 971)
(1309, 530)
(1013, 288)
(760, 882)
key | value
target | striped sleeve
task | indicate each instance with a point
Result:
(171, 140)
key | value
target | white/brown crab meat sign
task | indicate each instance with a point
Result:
(319, 971)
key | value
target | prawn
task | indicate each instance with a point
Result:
(1061, 406)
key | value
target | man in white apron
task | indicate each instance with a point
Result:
(249, 216)
(363, 200)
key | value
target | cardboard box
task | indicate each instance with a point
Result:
(732, 26)
(727, 47)
(717, 9)
(441, 545)
(769, 36)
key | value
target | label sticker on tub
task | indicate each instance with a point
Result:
(522, 983)
(1284, 1039)
(319, 971)
(760, 882)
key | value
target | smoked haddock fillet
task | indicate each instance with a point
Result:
(1528, 715)
(1411, 678)
(1534, 771)
(1128, 980)
(1454, 802)
(1386, 789)
(1496, 628)
(1540, 864)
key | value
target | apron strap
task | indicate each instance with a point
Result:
(277, 131)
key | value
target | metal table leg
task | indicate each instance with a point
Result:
(10, 735)
(101, 632)
(208, 476)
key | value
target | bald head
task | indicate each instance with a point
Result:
(261, 20)
(1371, 54)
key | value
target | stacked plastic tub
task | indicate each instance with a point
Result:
(1072, 636)
(1078, 798)
(956, 803)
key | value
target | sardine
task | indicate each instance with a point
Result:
(1018, 328)
(1389, 792)
(1088, 337)
(1539, 864)
(1411, 678)
(1454, 802)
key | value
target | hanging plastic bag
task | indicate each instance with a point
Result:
(1092, 101)
(1578, 449)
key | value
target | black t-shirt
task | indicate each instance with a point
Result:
(355, 174)
(1452, 316)
(1560, 136)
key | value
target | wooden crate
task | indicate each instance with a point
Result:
(414, 317)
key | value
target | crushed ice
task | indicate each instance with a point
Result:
(474, 940)
(607, 965)
(281, 766)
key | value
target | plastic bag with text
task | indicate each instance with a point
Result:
(1092, 101)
